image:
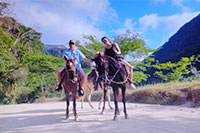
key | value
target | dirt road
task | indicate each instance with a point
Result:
(50, 118)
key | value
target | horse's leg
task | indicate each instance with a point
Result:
(82, 100)
(89, 95)
(117, 97)
(104, 99)
(84, 87)
(101, 100)
(67, 104)
(74, 105)
(124, 100)
(108, 96)
(115, 89)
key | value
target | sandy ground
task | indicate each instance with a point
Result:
(143, 118)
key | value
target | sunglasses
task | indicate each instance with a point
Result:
(71, 44)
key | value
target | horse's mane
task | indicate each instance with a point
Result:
(114, 66)
(113, 63)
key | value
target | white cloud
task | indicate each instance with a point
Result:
(127, 25)
(68, 19)
(164, 26)
(151, 20)
(167, 24)
(198, 0)
(180, 4)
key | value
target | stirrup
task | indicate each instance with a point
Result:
(59, 88)
(80, 91)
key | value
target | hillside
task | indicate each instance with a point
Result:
(55, 50)
(25, 73)
(184, 43)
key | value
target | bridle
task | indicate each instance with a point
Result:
(105, 78)
(72, 72)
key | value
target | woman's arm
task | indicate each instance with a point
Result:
(117, 49)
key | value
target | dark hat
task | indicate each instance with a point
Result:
(71, 42)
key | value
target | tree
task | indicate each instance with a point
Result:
(173, 71)
(4, 8)
(42, 72)
(131, 45)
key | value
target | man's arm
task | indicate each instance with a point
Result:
(87, 60)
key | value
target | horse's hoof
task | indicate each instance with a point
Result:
(99, 108)
(91, 106)
(111, 107)
(118, 113)
(76, 119)
(67, 117)
(114, 118)
(126, 116)
(101, 112)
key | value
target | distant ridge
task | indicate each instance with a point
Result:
(54, 50)
(184, 43)
(49, 46)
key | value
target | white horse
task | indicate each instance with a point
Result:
(90, 86)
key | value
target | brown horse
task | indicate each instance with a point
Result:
(70, 84)
(92, 77)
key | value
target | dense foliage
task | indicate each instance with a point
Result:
(25, 72)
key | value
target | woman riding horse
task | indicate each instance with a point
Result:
(114, 51)
(115, 75)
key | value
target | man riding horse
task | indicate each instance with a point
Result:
(79, 56)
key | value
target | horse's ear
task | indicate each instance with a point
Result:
(99, 54)
(65, 57)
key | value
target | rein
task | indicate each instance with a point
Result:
(74, 76)
(112, 78)
(71, 73)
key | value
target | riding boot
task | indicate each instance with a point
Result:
(80, 91)
(95, 86)
(59, 87)
(131, 85)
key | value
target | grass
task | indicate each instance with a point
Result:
(173, 93)
(163, 93)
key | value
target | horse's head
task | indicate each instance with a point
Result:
(98, 59)
(71, 67)
(100, 63)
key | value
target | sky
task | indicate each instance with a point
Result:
(61, 20)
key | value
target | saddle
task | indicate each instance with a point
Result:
(59, 88)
